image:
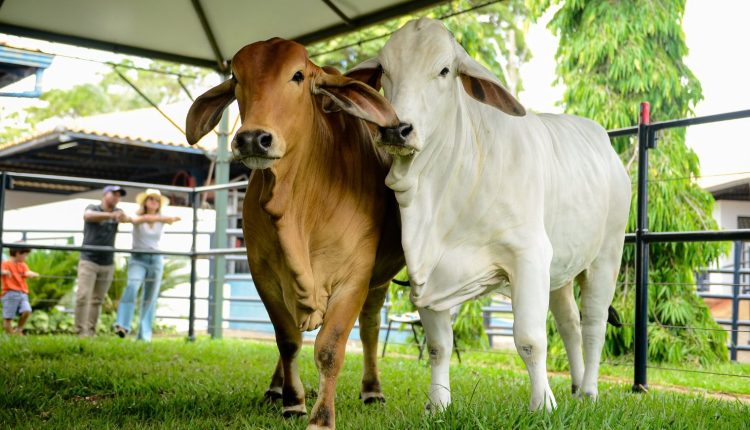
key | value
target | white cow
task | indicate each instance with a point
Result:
(493, 197)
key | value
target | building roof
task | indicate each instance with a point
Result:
(17, 63)
(139, 145)
(145, 126)
(729, 187)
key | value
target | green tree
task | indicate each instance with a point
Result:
(492, 34)
(612, 56)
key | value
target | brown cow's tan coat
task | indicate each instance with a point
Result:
(321, 228)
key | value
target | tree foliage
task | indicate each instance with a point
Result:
(611, 57)
(58, 273)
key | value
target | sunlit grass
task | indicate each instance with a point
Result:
(64, 382)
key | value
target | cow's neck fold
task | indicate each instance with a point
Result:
(443, 179)
(321, 167)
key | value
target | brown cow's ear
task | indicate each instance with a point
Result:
(483, 86)
(368, 72)
(206, 111)
(356, 98)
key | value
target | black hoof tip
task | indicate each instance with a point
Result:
(374, 400)
(272, 395)
(293, 414)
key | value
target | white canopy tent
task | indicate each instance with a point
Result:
(198, 32)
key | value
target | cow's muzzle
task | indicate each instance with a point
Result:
(257, 149)
(396, 135)
(255, 143)
(395, 138)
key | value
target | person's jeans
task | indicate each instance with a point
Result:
(146, 270)
(94, 281)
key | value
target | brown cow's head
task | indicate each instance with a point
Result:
(279, 90)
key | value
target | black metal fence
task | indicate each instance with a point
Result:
(646, 133)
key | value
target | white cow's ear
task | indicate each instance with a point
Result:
(482, 85)
(369, 72)
(206, 111)
(356, 98)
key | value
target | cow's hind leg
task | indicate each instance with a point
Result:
(597, 290)
(330, 346)
(369, 330)
(563, 305)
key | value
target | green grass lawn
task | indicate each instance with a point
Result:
(64, 382)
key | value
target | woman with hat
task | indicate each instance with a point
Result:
(144, 268)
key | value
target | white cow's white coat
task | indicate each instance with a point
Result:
(491, 201)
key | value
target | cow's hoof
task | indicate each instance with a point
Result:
(431, 408)
(294, 411)
(273, 394)
(591, 395)
(372, 398)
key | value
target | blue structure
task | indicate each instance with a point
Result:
(17, 64)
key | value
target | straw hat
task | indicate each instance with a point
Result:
(151, 192)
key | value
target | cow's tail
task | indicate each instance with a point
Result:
(614, 318)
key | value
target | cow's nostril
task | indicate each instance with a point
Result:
(404, 130)
(244, 140)
(265, 140)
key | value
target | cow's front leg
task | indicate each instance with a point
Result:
(285, 380)
(530, 299)
(439, 332)
(369, 329)
(275, 389)
(330, 346)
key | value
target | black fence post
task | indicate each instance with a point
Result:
(193, 260)
(645, 135)
(735, 299)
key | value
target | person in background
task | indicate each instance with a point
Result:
(96, 268)
(15, 292)
(144, 268)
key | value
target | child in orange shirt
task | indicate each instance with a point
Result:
(15, 291)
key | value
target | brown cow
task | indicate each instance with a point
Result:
(322, 232)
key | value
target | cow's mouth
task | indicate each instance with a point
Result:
(257, 162)
(398, 149)
(398, 140)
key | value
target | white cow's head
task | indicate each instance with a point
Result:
(422, 70)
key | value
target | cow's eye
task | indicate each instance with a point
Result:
(444, 72)
(298, 76)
